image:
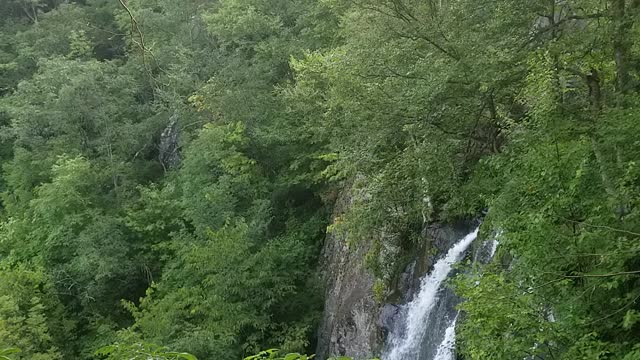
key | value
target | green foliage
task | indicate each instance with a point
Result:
(235, 293)
(562, 197)
(4, 353)
(68, 231)
(379, 290)
(217, 179)
(87, 90)
(275, 354)
(141, 352)
(498, 309)
(27, 301)
(429, 111)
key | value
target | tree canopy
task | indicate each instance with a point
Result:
(169, 169)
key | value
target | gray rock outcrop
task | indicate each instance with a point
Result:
(350, 320)
(168, 149)
(354, 324)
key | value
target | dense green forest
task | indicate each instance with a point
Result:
(169, 168)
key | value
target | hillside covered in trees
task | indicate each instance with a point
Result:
(170, 169)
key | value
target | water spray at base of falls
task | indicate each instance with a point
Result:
(407, 345)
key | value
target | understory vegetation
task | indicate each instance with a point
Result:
(170, 168)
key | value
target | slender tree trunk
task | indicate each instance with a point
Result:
(34, 10)
(33, 16)
(595, 98)
(623, 17)
(595, 94)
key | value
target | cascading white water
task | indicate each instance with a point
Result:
(406, 346)
(494, 247)
(446, 350)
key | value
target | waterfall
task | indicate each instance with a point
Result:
(494, 247)
(423, 331)
(446, 350)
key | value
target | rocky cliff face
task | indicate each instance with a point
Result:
(168, 149)
(354, 323)
(349, 323)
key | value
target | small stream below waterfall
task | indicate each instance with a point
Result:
(426, 327)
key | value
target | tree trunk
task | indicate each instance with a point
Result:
(33, 15)
(595, 98)
(623, 22)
